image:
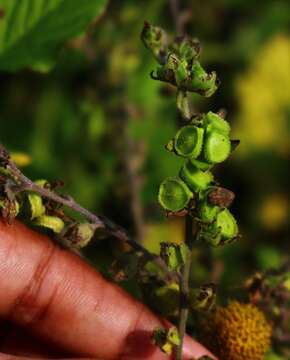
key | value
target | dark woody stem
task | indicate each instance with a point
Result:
(25, 184)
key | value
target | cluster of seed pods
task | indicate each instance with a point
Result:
(203, 146)
(203, 142)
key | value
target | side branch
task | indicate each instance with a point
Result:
(22, 183)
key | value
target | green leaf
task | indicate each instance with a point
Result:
(31, 32)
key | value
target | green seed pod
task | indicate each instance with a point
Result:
(174, 194)
(188, 141)
(217, 147)
(213, 121)
(195, 179)
(207, 212)
(225, 226)
(36, 205)
(51, 222)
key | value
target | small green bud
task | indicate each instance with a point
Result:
(174, 194)
(225, 228)
(188, 141)
(51, 222)
(195, 179)
(217, 147)
(213, 121)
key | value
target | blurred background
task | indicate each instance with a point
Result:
(98, 122)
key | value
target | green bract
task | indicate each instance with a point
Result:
(173, 194)
(213, 121)
(194, 178)
(188, 141)
(217, 147)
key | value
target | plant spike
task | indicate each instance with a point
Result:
(203, 142)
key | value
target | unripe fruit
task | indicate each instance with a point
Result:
(174, 194)
(195, 179)
(217, 147)
(188, 141)
(213, 121)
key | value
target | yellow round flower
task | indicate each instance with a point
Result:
(238, 332)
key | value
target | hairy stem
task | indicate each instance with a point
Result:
(184, 286)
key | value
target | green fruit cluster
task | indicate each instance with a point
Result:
(203, 142)
(202, 146)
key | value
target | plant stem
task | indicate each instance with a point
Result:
(184, 286)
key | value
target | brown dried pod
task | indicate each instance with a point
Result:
(221, 197)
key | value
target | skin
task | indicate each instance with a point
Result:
(54, 305)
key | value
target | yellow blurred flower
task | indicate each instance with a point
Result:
(21, 159)
(238, 332)
(264, 95)
(274, 211)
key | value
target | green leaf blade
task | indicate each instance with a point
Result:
(32, 31)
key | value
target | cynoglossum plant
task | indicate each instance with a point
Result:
(203, 142)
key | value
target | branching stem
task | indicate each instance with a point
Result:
(22, 183)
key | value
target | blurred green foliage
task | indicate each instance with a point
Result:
(98, 111)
